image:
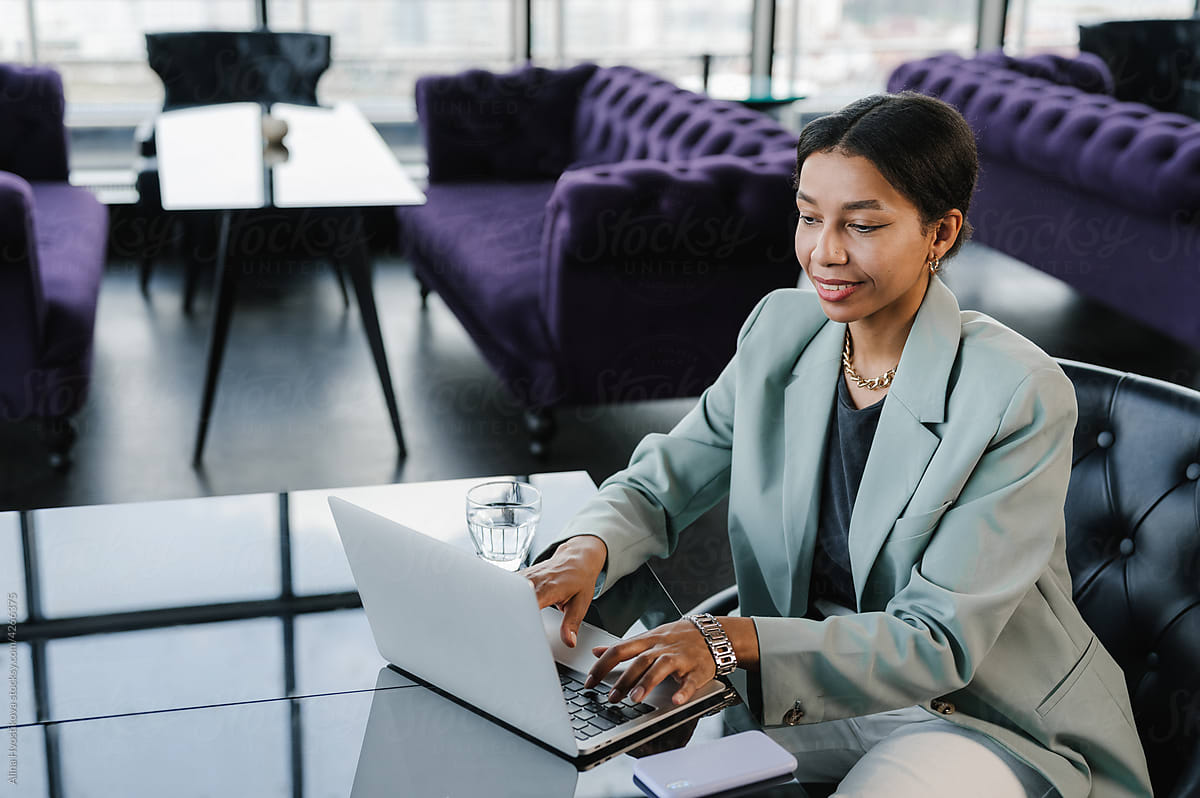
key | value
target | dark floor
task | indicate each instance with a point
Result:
(299, 404)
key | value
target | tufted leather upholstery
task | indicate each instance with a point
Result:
(1133, 549)
(1142, 159)
(671, 218)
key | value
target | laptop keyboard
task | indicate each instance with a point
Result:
(591, 713)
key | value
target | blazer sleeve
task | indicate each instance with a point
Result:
(987, 551)
(671, 480)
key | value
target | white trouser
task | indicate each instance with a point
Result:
(902, 753)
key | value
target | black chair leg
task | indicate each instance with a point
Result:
(542, 426)
(425, 292)
(339, 272)
(144, 268)
(59, 436)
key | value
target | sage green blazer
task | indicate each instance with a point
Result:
(957, 537)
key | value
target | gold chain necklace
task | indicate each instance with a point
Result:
(873, 384)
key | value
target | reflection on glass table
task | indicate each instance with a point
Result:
(398, 739)
(228, 599)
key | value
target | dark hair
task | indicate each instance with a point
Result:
(920, 144)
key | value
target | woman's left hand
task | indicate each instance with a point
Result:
(674, 649)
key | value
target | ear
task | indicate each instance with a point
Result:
(945, 232)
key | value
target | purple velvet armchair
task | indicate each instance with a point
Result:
(1103, 194)
(600, 233)
(52, 248)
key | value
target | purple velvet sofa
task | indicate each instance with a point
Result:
(1103, 194)
(52, 250)
(599, 232)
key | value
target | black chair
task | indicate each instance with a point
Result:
(1133, 548)
(212, 67)
(1153, 61)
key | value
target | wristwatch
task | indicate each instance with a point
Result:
(718, 642)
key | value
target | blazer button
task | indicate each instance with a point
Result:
(793, 715)
(944, 707)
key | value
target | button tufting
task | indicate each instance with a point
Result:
(1127, 546)
(1151, 661)
(1104, 439)
(1193, 471)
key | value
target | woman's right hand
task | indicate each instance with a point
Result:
(567, 580)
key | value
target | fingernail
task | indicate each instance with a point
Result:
(678, 699)
(572, 638)
(589, 681)
(612, 695)
(637, 694)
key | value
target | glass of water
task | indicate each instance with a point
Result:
(502, 517)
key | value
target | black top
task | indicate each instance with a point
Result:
(851, 431)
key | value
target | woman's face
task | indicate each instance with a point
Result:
(854, 227)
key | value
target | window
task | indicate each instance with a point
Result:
(100, 49)
(1035, 26)
(14, 31)
(849, 48)
(381, 47)
(667, 37)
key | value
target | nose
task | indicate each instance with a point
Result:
(828, 249)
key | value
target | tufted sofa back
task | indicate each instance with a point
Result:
(626, 114)
(1144, 160)
(1133, 547)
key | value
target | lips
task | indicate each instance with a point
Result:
(835, 291)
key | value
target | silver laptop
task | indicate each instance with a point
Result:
(474, 633)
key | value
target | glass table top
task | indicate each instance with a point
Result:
(163, 605)
(215, 157)
(216, 647)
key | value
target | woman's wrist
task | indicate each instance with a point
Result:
(744, 637)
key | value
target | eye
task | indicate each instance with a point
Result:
(864, 228)
(808, 220)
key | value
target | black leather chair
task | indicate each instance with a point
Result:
(1133, 548)
(211, 67)
(1153, 61)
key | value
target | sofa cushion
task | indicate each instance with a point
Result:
(478, 246)
(625, 114)
(517, 126)
(72, 232)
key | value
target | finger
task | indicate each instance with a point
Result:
(614, 656)
(663, 667)
(573, 615)
(691, 683)
(550, 592)
(638, 666)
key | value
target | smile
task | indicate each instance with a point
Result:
(835, 293)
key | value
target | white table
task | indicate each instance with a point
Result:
(213, 158)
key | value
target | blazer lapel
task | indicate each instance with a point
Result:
(903, 445)
(808, 405)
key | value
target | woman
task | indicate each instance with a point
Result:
(896, 471)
